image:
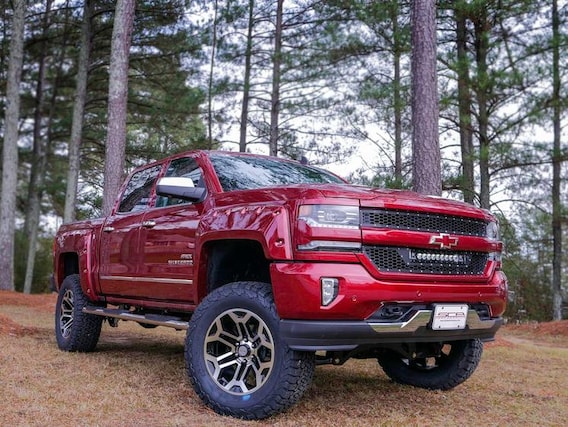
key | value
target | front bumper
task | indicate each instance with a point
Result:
(297, 292)
(359, 315)
(320, 335)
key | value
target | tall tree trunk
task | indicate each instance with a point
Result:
(398, 103)
(211, 73)
(427, 176)
(117, 102)
(3, 53)
(246, 83)
(10, 148)
(464, 105)
(37, 174)
(276, 75)
(78, 115)
(556, 168)
(481, 25)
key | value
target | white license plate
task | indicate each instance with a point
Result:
(449, 316)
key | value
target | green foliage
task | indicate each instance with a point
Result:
(528, 264)
(530, 294)
(373, 40)
(163, 110)
(381, 178)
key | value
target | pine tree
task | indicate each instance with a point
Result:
(78, 114)
(10, 148)
(426, 149)
(39, 157)
(117, 102)
(556, 168)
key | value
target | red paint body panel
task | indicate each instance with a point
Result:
(119, 252)
(297, 293)
(267, 224)
(78, 239)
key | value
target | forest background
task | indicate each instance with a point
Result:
(322, 79)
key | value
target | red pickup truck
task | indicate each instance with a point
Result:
(273, 267)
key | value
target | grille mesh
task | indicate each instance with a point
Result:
(419, 221)
(426, 261)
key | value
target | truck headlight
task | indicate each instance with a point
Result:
(332, 228)
(330, 216)
(492, 231)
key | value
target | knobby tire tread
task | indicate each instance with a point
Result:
(460, 368)
(86, 328)
(297, 370)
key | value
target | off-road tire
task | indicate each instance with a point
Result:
(235, 359)
(456, 364)
(75, 330)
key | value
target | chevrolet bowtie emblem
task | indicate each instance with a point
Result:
(444, 241)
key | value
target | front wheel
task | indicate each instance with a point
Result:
(444, 367)
(235, 359)
(75, 330)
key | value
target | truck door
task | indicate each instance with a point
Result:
(119, 254)
(167, 241)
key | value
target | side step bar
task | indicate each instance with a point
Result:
(150, 319)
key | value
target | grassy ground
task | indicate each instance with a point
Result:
(136, 378)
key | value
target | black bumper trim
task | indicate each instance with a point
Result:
(319, 335)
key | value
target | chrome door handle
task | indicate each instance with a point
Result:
(108, 229)
(148, 224)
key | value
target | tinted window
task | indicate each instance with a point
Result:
(184, 167)
(244, 173)
(138, 190)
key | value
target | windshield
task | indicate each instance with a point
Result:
(245, 173)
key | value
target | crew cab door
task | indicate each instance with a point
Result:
(120, 257)
(167, 240)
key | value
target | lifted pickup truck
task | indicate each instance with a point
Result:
(273, 267)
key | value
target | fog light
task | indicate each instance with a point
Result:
(329, 290)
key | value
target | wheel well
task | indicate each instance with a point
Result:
(236, 260)
(68, 264)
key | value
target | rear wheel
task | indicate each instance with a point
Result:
(75, 330)
(235, 359)
(443, 367)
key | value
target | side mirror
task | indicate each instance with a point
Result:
(180, 187)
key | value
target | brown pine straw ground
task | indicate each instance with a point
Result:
(136, 377)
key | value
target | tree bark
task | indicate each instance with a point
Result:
(556, 168)
(10, 148)
(37, 174)
(78, 116)
(117, 102)
(397, 97)
(276, 75)
(246, 83)
(427, 176)
(211, 73)
(482, 26)
(464, 105)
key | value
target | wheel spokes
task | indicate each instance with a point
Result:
(66, 316)
(239, 351)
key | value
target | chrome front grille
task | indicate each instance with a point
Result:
(420, 221)
(390, 259)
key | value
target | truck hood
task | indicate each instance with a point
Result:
(365, 196)
(402, 200)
